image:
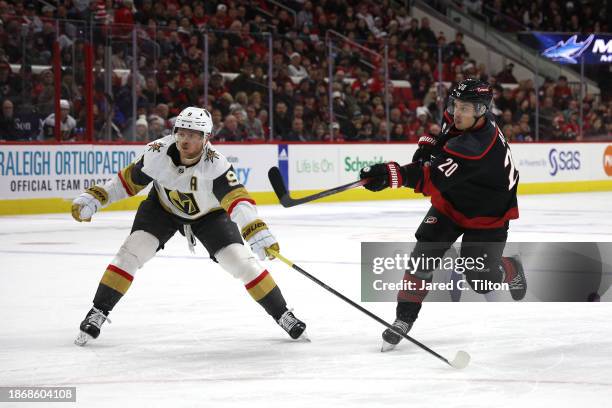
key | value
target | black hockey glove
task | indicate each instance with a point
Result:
(383, 175)
(427, 146)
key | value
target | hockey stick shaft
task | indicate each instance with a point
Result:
(278, 184)
(361, 308)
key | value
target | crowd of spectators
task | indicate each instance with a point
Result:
(577, 16)
(170, 75)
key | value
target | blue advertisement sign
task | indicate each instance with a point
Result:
(571, 48)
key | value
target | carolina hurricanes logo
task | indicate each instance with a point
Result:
(431, 220)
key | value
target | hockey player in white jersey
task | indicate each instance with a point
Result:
(195, 191)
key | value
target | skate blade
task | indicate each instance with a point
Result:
(304, 338)
(82, 339)
(387, 347)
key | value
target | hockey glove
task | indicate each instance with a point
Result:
(259, 238)
(383, 174)
(88, 203)
(427, 145)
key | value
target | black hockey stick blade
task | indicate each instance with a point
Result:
(281, 191)
(278, 184)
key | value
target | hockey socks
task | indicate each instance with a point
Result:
(265, 292)
(115, 282)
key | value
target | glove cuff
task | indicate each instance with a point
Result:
(395, 175)
(427, 140)
(253, 228)
(98, 193)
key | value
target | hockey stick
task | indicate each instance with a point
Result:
(461, 359)
(278, 184)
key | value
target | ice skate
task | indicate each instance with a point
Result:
(90, 326)
(391, 338)
(293, 326)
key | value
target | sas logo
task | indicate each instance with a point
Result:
(607, 160)
(563, 160)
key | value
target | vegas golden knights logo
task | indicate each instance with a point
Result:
(184, 202)
(156, 146)
(210, 155)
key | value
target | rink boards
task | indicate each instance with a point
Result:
(44, 178)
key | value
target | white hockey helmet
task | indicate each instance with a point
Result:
(195, 119)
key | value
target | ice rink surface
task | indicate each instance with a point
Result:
(188, 334)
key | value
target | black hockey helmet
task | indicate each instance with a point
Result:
(472, 90)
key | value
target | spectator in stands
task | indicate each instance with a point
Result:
(8, 127)
(524, 133)
(282, 121)
(366, 133)
(157, 128)
(426, 35)
(506, 101)
(217, 118)
(597, 128)
(151, 90)
(231, 131)
(434, 130)
(397, 133)
(456, 49)
(506, 75)
(297, 133)
(67, 124)
(9, 83)
(254, 128)
(572, 107)
(571, 129)
(124, 18)
(336, 132)
(244, 80)
(563, 92)
(187, 95)
(305, 15)
(342, 114)
(295, 68)
(141, 132)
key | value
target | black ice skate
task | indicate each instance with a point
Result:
(516, 278)
(90, 326)
(292, 325)
(391, 338)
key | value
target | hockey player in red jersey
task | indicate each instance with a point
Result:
(470, 176)
(195, 191)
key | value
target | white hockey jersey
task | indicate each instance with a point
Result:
(188, 192)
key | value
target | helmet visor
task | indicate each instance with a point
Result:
(465, 107)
